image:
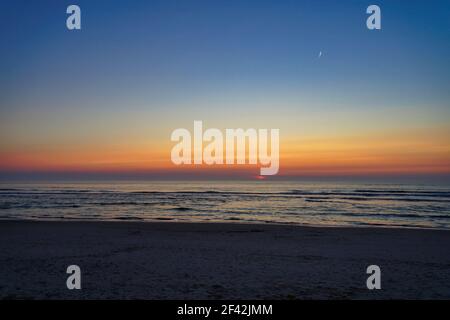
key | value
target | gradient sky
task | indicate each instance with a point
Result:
(103, 101)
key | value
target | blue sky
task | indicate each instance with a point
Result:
(177, 49)
(161, 64)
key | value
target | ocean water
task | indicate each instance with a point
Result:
(332, 204)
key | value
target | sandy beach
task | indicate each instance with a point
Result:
(128, 260)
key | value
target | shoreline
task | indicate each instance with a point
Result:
(219, 222)
(188, 260)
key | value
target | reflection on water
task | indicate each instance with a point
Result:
(340, 204)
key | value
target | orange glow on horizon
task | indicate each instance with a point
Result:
(387, 153)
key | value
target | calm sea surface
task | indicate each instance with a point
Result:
(340, 204)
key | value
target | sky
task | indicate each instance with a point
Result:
(102, 101)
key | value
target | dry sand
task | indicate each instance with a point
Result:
(166, 260)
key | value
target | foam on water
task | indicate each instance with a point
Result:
(338, 204)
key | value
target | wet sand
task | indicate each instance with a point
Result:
(167, 260)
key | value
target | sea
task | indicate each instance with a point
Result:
(285, 202)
